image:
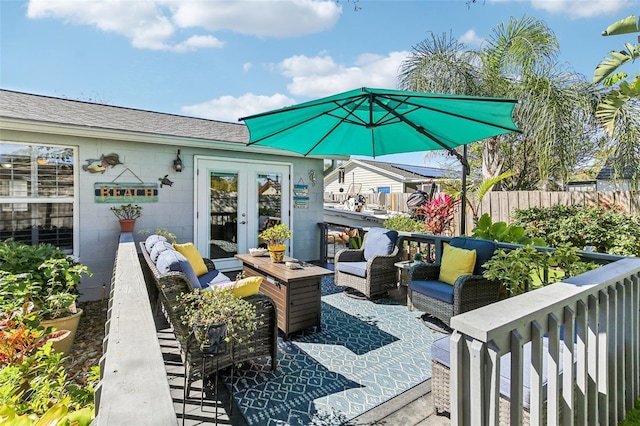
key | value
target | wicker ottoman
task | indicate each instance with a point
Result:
(440, 380)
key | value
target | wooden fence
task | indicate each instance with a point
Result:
(501, 204)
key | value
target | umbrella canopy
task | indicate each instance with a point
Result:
(375, 122)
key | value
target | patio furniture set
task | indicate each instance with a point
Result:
(289, 297)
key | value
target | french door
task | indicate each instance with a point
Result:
(235, 200)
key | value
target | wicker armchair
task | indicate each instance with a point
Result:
(370, 270)
(427, 294)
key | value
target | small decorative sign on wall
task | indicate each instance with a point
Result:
(125, 192)
(300, 196)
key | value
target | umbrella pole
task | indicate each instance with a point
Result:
(463, 211)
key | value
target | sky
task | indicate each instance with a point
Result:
(226, 59)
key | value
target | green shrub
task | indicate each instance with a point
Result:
(405, 224)
(41, 274)
(605, 227)
(526, 268)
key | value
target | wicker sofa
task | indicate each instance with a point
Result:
(427, 294)
(370, 270)
(169, 285)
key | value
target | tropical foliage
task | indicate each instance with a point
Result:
(619, 110)
(437, 214)
(519, 60)
(486, 229)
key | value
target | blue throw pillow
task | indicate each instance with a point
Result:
(158, 248)
(172, 261)
(152, 240)
(379, 242)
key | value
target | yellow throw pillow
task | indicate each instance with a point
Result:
(189, 251)
(456, 262)
(247, 286)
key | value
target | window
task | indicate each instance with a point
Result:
(37, 194)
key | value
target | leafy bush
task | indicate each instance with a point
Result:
(403, 223)
(526, 268)
(41, 274)
(606, 227)
(501, 232)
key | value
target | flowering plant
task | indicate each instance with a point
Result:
(437, 213)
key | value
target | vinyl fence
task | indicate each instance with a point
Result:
(501, 204)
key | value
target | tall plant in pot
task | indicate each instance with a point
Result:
(127, 215)
(218, 318)
(46, 277)
(275, 237)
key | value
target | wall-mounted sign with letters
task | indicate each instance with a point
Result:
(125, 192)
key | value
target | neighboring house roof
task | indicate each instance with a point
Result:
(399, 172)
(606, 172)
(408, 171)
(45, 109)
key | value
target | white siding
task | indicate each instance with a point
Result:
(368, 178)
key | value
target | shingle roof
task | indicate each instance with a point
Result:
(409, 172)
(45, 109)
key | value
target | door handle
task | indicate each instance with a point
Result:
(243, 222)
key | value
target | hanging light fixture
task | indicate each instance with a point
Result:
(177, 163)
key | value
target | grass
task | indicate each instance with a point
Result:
(633, 416)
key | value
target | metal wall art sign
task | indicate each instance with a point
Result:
(125, 192)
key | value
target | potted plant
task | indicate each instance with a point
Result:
(48, 278)
(275, 238)
(127, 215)
(217, 318)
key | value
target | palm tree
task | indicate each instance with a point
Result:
(619, 110)
(518, 61)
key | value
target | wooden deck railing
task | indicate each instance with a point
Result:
(593, 318)
(133, 388)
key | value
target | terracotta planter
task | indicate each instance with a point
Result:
(127, 225)
(65, 323)
(277, 253)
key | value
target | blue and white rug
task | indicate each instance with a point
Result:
(367, 353)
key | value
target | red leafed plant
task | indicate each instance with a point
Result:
(438, 213)
(19, 339)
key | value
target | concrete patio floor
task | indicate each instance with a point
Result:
(413, 407)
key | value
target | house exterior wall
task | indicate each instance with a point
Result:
(613, 185)
(367, 177)
(97, 227)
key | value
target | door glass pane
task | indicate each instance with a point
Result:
(223, 191)
(269, 200)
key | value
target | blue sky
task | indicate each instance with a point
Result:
(223, 59)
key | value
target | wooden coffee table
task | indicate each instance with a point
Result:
(296, 292)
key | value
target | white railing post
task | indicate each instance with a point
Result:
(602, 358)
(515, 390)
(568, 374)
(582, 370)
(553, 371)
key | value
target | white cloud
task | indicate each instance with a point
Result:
(320, 76)
(275, 18)
(470, 38)
(197, 42)
(583, 8)
(230, 108)
(247, 66)
(311, 77)
(153, 24)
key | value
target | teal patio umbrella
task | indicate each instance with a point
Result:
(376, 122)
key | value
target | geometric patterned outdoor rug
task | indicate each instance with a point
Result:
(367, 353)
